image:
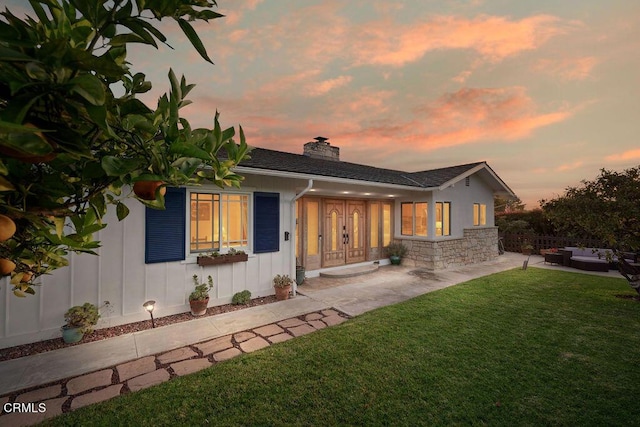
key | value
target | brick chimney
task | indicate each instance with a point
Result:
(321, 149)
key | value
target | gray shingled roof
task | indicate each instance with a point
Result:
(262, 158)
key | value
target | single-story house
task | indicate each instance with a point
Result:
(309, 209)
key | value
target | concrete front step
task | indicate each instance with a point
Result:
(350, 271)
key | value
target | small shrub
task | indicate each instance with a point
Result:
(241, 297)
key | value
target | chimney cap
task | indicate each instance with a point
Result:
(320, 139)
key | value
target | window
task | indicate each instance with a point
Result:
(479, 214)
(414, 219)
(218, 221)
(443, 218)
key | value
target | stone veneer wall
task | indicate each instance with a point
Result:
(477, 245)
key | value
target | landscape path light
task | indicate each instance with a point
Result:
(149, 306)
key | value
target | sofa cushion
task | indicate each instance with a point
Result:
(590, 252)
(593, 259)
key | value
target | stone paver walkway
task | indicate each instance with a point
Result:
(73, 393)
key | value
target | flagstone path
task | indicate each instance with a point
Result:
(73, 393)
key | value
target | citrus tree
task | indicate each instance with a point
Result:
(75, 138)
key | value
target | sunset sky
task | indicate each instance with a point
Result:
(547, 92)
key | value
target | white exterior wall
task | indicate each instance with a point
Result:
(462, 198)
(120, 276)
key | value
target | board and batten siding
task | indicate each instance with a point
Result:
(119, 275)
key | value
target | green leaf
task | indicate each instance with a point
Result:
(189, 150)
(36, 71)
(194, 39)
(116, 166)
(90, 88)
(134, 106)
(59, 223)
(5, 185)
(29, 144)
(121, 211)
(10, 55)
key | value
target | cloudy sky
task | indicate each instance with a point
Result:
(546, 91)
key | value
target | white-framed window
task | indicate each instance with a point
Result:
(218, 221)
(414, 218)
(443, 218)
(479, 214)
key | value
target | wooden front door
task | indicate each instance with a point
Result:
(355, 231)
(334, 236)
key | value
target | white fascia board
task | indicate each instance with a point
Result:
(476, 169)
(321, 178)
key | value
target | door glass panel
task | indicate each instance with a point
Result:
(334, 230)
(374, 224)
(312, 228)
(386, 224)
(356, 231)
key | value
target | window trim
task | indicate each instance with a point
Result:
(413, 219)
(222, 250)
(479, 219)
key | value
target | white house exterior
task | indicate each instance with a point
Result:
(311, 209)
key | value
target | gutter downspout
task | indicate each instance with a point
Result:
(293, 229)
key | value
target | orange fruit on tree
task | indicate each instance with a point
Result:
(6, 266)
(146, 190)
(7, 228)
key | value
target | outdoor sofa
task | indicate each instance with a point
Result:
(593, 259)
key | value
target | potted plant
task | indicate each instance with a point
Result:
(300, 274)
(199, 298)
(396, 252)
(526, 247)
(282, 285)
(80, 320)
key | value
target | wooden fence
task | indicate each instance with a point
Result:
(513, 242)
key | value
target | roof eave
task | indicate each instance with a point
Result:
(322, 178)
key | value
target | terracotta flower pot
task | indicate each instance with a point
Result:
(282, 293)
(199, 307)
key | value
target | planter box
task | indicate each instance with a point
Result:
(222, 259)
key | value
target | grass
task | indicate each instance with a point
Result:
(534, 347)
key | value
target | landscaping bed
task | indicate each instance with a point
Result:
(114, 331)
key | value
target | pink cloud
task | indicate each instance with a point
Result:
(493, 37)
(625, 156)
(475, 114)
(570, 166)
(321, 88)
(568, 68)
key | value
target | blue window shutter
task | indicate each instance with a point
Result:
(165, 230)
(266, 222)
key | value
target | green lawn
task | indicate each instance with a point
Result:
(535, 347)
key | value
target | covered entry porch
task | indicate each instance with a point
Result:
(333, 231)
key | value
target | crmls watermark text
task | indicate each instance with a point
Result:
(27, 408)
